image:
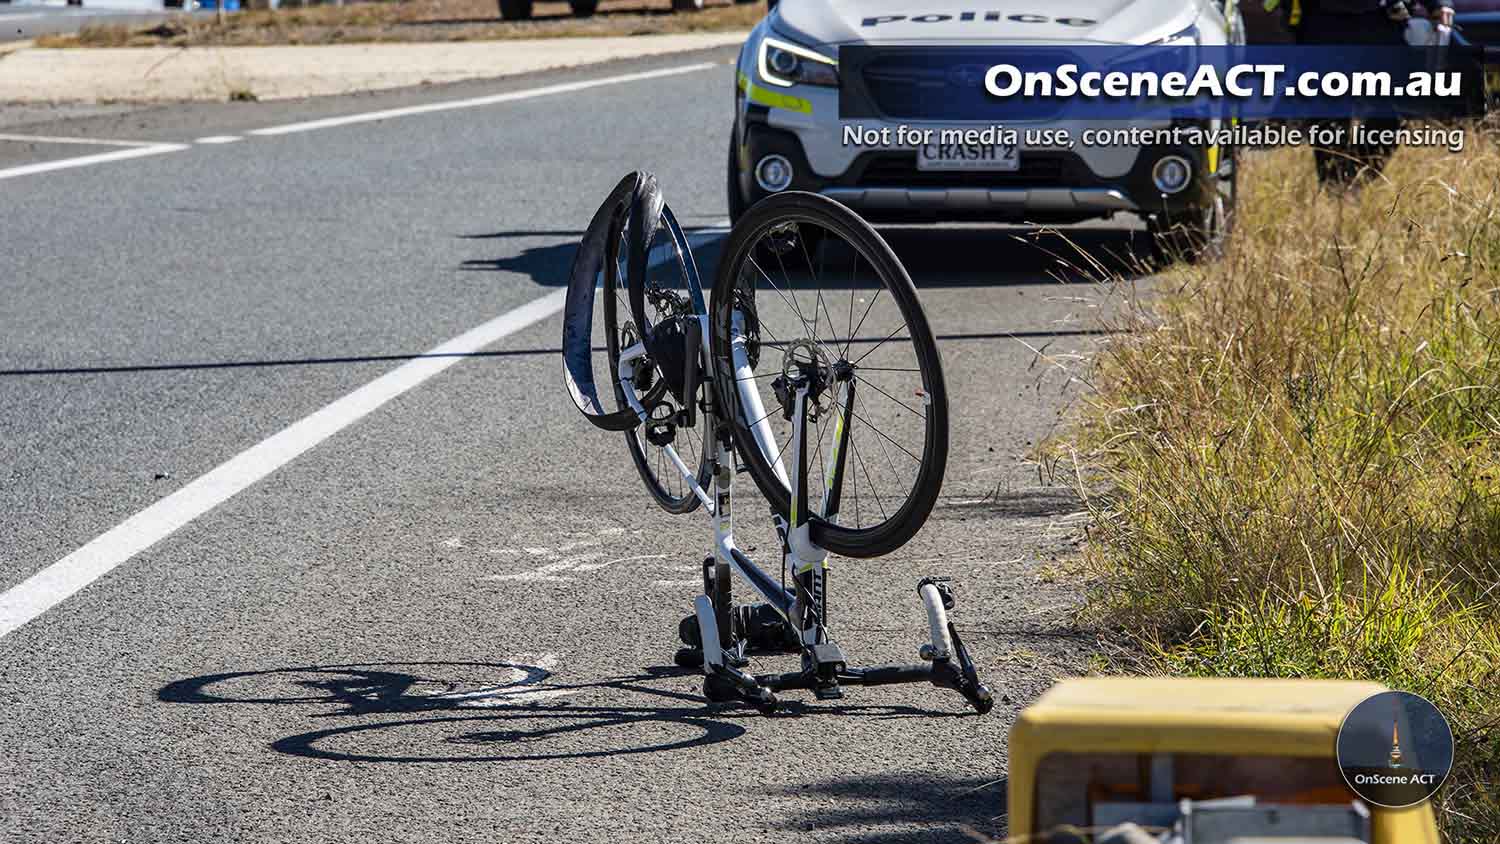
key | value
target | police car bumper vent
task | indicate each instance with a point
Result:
(982, 199)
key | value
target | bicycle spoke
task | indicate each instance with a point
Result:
(871, 384)
(883, 435)
(854, 449)
(767, 276)
(811, 329)
(854, 332)
(878, 345)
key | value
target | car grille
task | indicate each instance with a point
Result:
(912, 87)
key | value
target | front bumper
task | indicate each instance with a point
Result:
(1051, 185)
(1000, 202)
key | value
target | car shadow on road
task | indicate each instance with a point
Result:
(934, 257)
(998, 256)
(484, 712)
(549, 265)
(929, 807)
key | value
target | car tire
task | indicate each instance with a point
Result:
(1200, 233)
(583, 8)
(737, 203)
(687, 5)
(515, 10)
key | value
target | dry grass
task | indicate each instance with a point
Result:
(1293, 457)
(413, 20)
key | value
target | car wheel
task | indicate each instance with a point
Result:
(737, 204)
(1201, 232)
(687, 5)
(583, 8)
(515, 10)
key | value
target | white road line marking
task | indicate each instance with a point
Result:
(55, 583)
(89, 160)
(56, 139)
(64, 578)
(475, 102)
(508, 694)
(608, 563)
(219, 139)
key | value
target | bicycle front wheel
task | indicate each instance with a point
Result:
(808, 289)
(653, 256)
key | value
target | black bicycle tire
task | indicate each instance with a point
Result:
(893, 532)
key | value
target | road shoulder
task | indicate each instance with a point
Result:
(166, 74)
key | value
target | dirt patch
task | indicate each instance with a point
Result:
(413, 20)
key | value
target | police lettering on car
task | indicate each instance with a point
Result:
(990, 17)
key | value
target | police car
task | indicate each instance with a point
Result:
(788, 134)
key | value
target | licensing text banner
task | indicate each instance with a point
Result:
(1068, 82)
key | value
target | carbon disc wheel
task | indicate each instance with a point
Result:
(805, 285)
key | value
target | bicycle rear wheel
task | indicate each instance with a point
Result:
(806, 285)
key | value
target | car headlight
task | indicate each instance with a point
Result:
(1186, 38)
(1153, 58)
(786, 64)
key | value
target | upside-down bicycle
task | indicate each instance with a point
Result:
(774, 375)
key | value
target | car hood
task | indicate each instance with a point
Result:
(835, 22)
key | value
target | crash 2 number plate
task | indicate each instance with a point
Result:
(968, 157)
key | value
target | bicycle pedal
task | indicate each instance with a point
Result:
(688, 657)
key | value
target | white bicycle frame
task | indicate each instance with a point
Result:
(804, 605)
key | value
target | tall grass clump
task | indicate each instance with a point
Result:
(1292, 455)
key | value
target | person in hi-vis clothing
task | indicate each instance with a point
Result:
(1357, 23)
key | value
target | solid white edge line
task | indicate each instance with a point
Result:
(218, 139)
(55, 139)
(475, 102)
(89, 160)
(64, 578)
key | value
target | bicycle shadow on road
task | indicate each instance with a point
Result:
(929, 807)
(480, 712)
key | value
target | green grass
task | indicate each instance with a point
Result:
(1292, 458)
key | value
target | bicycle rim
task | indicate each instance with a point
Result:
(805, 284)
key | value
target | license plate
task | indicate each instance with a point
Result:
(968, 157)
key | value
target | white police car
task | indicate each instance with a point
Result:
(788, 135)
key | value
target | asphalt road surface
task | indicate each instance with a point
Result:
(421, 598)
